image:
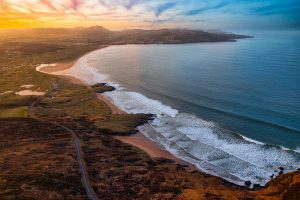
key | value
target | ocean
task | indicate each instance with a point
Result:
(230, 108)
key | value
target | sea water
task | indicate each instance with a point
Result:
(230, 108)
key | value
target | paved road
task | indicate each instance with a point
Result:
(84, 175)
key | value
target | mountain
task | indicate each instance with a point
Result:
(101, 35)
(171, 36)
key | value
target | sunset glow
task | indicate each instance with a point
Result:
(124, 14)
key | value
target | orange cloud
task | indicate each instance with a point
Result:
(68, 13)
(48, 4)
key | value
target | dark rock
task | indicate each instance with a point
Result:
(98, 85)
(281, 172)
(272, 176)
(248, 183)
(256, 186)
(104, 89)
(281, 168)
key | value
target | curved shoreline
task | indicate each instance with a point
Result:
(139, 140)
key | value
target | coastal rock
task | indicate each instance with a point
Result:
(248, 183)
(103, 89)
(281, 168)
(98, 85)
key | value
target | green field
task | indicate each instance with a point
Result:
(14, 112)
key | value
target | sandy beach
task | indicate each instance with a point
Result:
(202, 182)
(138, 139)
(70, 127)
(58, 67)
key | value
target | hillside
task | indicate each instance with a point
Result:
(171, 36)
(37, 155)
(102, 35)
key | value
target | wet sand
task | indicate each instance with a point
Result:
(142, 142)
(138, 139)
(204, 186)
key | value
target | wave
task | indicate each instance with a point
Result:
(212, 149)
(245, 117)
(251, 140)
(133, 102)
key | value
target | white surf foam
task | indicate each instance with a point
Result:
(133, 102)
(235, 156)
(251, 140)
(297, 150)
(213, 150)
(85, 72)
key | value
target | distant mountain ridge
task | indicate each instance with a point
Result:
(172, 36)
(101, 35)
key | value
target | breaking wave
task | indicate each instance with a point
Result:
(212, 149)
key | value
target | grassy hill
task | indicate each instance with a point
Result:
(100, 35)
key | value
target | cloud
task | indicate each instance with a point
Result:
(123, 13)
(132, 3)
(204, 9)
(159, 21)
(275, 9)
(198, 20)
(48, 4)
(108, 5)
(128, 4)
(75, 4)
(164, 7)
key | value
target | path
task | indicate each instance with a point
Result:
(84, 175)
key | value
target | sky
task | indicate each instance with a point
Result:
(152, 14)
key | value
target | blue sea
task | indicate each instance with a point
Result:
(230, 108)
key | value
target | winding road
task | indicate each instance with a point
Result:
(83, 171)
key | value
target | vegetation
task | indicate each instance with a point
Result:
(38, 161)
(37, 157)
(21, 111)
(99, 35)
